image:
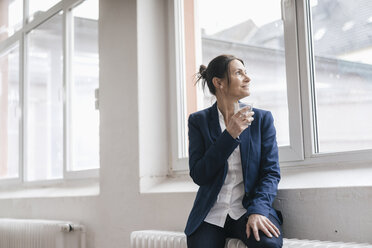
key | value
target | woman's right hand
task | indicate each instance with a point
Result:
(239, 122)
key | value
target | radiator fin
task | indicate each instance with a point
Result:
(164, 239)
(17, 233)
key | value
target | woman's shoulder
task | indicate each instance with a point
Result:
(204, 113)
(263, 114)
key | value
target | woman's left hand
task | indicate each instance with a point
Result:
(258, 222)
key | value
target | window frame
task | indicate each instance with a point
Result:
(308, 100)
(178, 121)
(20, 36)
(301, 95)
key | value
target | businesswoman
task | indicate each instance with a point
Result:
(233, 157)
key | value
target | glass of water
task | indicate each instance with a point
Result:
(242, 105)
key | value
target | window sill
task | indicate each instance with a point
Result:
(326, 176)
(299, 176)
(71, 188)
(180, 183)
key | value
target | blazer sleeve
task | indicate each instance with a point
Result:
(205, 161)
(269, 172)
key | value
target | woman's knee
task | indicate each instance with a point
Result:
(206, 236)
(266, 242)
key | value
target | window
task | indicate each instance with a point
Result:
(309, 62)
(343, 74)
(48, 90)
(84, 118)
(257, 39)
(44, 124)
(10, 110)
(239, 28)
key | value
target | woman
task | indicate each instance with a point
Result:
(233, 157)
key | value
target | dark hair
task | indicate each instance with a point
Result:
(218, 67)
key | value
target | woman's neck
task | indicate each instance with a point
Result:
(227, 108)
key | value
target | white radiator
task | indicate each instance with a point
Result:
(164, 239)
(17, 233)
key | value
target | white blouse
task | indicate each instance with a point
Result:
(229, 200)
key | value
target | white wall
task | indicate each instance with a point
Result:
(120, 208)
(337, 214)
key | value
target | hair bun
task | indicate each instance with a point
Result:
(203, 71)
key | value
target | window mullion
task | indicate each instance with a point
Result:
(25, 12)
(178, 90)
(307, 78)
(67, 42)
(23, 77)
(295, 150)
(181, 78)
(24, 99)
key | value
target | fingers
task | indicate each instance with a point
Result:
(255, 229)
(248, 230)
(247, 120)
(255, 232)
(238, 123)
(247, 108)
(245, 113)
(266, 231)
(253, 223)
(272, 228)
(263, 224)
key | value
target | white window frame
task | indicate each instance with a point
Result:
(178, 121)
(67, 35)
(308, 99)
(303, 148)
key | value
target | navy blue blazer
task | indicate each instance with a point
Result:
(209, 150)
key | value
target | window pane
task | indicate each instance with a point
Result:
(38, 6)
(343, 73)
(10, 17)
(239, 28)
(44, 134)
(9, 113)
(84, 117)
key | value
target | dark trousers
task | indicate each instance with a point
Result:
(211, 236)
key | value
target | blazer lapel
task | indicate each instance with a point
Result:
(214, 124)
(245, 145)
(215, 131)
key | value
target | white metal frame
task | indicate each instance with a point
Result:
(303, 148)
(21, 36)
(198, 55)
(68, 48)
(306, 56)
(293, 152)
(307, 79)
(178, 144)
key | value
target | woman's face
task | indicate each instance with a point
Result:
(239, 81)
